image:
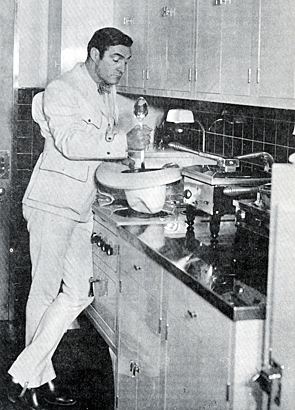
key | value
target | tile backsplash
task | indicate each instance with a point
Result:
(235, 130)
(230, 130)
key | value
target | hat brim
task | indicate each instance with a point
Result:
(112, 175)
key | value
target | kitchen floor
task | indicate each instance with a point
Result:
(82, 362)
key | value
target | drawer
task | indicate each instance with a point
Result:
(194, 311)
(105, 244)
(142, 269)
(104, 305)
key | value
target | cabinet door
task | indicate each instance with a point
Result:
(209, 19)
(224, 47)
(139, 347)
(237, 21)
(105, 299)
(180, 40)
(171, 46)
(157, 47)
(128, 360)
(277, 49)
(197, 351)
(131, 18)
(149, 352)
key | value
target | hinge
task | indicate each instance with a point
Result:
(120, 286)
(269, 380)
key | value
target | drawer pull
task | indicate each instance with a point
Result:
(137, 267)
(134, 368)
(91, 291)
(192, 314)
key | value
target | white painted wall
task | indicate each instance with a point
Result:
(32, 36)
(79, 21)
(80, 18)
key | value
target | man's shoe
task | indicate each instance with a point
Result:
(56, 396)
(24, 397)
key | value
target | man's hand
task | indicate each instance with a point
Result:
(138, 138)
(129, 162)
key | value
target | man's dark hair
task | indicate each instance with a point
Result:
(106, 37)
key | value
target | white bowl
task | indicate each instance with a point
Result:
(147, 200)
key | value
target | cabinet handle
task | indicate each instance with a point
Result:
(196, 74)
(166, 332)
(160, 325)
(190, 74)
(192, 314)
(143, 73)
(147, 74)
(91, 281)
(249, 75)
(258, 75)
(134, 368)
(137, 267)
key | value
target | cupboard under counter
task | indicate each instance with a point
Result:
(176, 343)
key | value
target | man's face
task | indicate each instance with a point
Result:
(112, 66)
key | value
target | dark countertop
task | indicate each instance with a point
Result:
(213, 273)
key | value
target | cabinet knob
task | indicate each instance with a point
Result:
(137, 267)
(192, 314)
(109, 250)
(94, 238)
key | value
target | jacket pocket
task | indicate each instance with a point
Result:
(78, 170)
(93, 120)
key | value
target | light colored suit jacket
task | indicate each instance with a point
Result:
(74, 120)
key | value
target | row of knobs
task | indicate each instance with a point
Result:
(102, 244)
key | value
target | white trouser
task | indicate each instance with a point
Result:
(60, 251)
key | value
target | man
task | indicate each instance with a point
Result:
(77, 115)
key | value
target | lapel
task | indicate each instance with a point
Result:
(88, 89)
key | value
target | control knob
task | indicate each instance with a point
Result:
(187, 194)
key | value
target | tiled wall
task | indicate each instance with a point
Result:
(234, 130)
(230, 130)
(27, 145)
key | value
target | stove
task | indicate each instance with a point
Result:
(212, 189)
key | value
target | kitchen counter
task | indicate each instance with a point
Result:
(188, 255)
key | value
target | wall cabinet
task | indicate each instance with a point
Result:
(131, 17)
(223, 51)
(276, 53)
(234, 52)
(163, 34)
(171, 47)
